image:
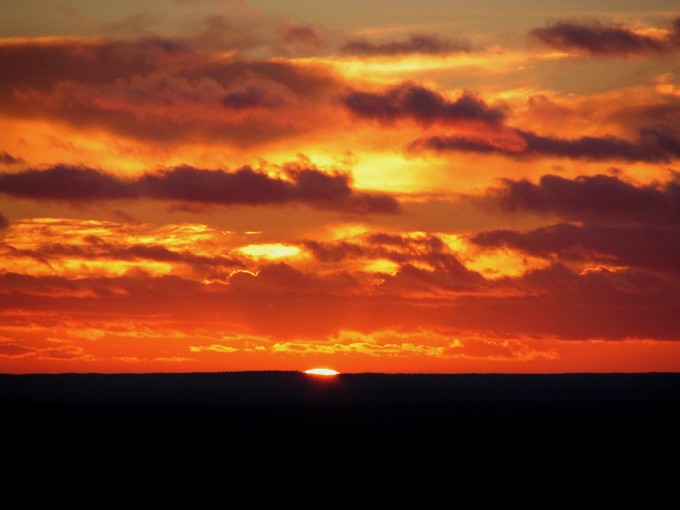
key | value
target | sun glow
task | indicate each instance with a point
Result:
(270, 251)
(326, 372)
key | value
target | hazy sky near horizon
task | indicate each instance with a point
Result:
(35, 18)
(482, 186)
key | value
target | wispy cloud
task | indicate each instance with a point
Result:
(597, 38)
(653, 145)
(415, 44)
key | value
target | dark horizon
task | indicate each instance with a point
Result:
(293, 401)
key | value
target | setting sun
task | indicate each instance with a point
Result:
(322, 371)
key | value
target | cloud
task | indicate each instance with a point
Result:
(394, 247)
(8, 159)
(214, 348)
(301, 35)
(426, 248)
(247, 99)
(654, 145)
(40, 64)
(304, 184)
(415, 44)
(287, 303)
(335, 252)
(13, 350)
(596, 38)
(596, 304)
(414, 102)
(639, 247)
(246, 186)
(4, 222)
(94, 248)
(163, 90)
(424, 263)
(593, 198)
(447, 276)
(62, 182)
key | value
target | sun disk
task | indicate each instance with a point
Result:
(321, 371)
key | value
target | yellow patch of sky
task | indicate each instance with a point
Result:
(214, 348)
(199, 238)
(665, 85)
(272, 251)
(76, 267)
(394, 349)
(51, 142)
(492, 263)
(381, 266)
(40, 234)
(387, 68)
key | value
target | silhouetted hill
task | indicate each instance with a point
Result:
(292, 401)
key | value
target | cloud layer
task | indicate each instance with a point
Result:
(594, 198)
(244, 186)
(161, 90)
(597, 38)
(417, 103)
(481, 205)
(653, 146)
(415, 44)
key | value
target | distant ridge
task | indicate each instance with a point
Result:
(293, 401)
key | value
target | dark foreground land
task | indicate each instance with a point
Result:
(291, 401)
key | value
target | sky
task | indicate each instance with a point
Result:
(430, 187)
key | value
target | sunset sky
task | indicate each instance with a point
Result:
(381, 186)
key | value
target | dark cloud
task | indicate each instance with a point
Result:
(654, 145)
(425, 263)
(599, 39)
(676, 30)
(416, 44)
(447, 275)
(303, 81)
(62, 182)
(301, 35)
(285, 302)
(39, 65)
(335, 252)
(641, 247)
(247, 99)
(595, 198)
(602, 304)
(95, 248)
(161, 90)
(411, 101)
(394, 247)
(4, 222)
(123, 217)
(244, 186)
(8, 159)
(279, 279)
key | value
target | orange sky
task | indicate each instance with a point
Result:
(209, 186)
